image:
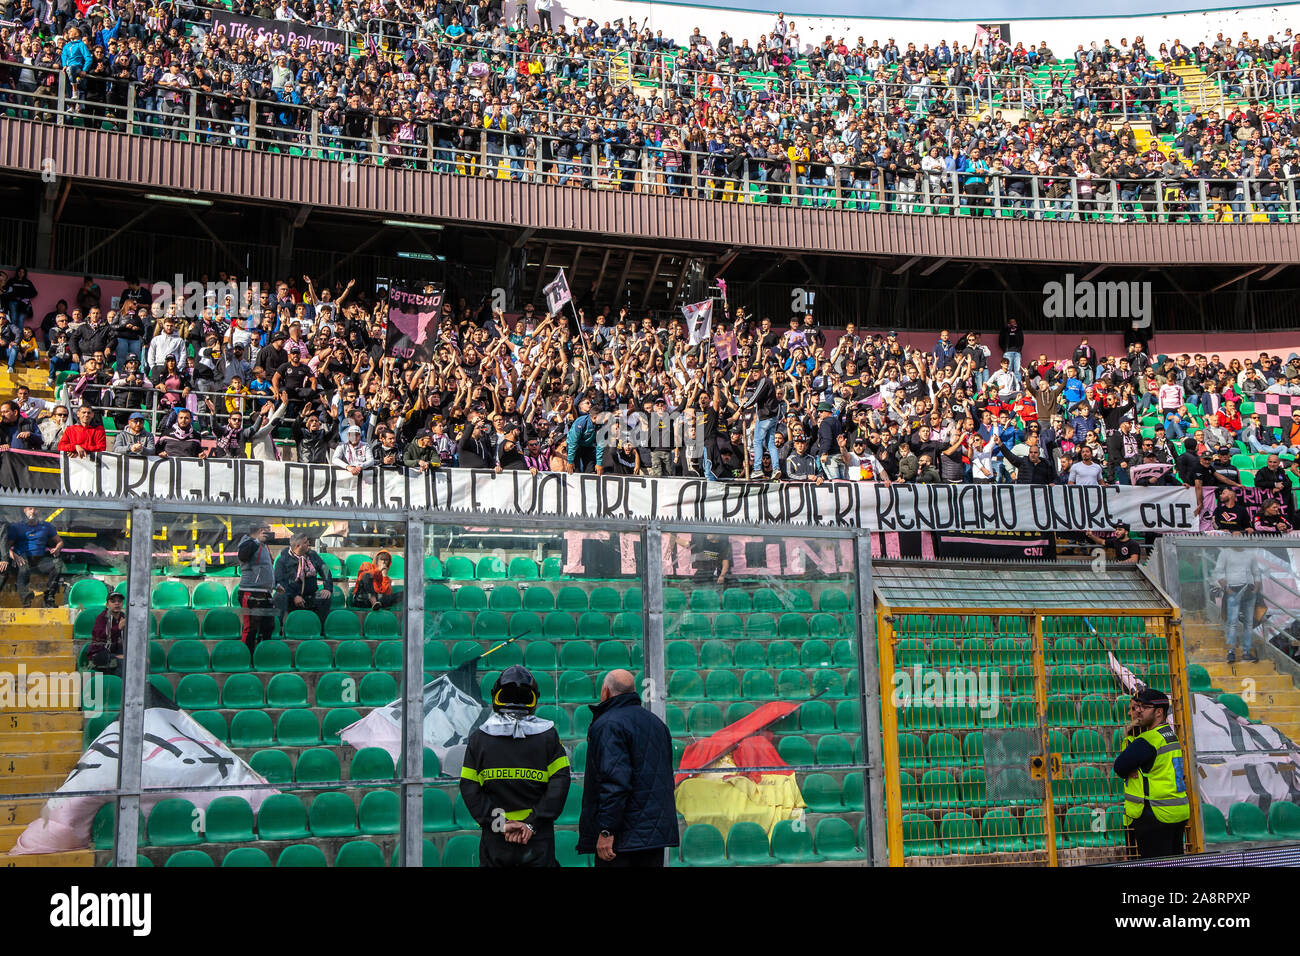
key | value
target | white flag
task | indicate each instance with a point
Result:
(557, 293)
(699, 320)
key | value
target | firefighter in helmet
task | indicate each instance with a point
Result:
(515, 777)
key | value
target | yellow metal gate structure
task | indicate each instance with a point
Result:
(1003, 709)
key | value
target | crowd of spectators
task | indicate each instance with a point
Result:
(302, 373)
(443, 85)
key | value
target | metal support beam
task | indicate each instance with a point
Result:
(600, 276)
(134, 686)
(907, 265)
(934, 267)
(1233, 281)
(300, 219)
(522, 239)
(412, 832)
(220, 244)
(876, 843)
(1096, 271)
(656, 676)
(1273, 271)
(618, 296)
(75, 265)
(541, 272)
(652, 282)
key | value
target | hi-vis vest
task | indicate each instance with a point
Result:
(1165, 787)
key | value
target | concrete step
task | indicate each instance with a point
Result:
(45, 663)
(33, 783)
(20, 812)
(9, 836)
(14, 769)
(1222, 669)
(62, 741)
(16, 619)
(41, 722)
(34, 640)
(69, 858)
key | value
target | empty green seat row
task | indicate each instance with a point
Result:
(505, 597)
(756, 684)
(682, 654)
(1247, 822)
(1001, 831)
(189, 656)
(284, 690)
(815, 717)
(747, 843)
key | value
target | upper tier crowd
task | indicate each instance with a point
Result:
(617, 393)
(453, 86)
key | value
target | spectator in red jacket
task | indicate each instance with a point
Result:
(86, 436)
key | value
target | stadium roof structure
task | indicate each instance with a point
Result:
(902, 586)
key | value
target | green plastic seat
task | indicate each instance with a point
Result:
(1000, 832)
(821, 793)
(1284, 820)
(332, 814)
(438, 814)
(834, 601)
(1216, 827)
(911, 751)
(758, 685)
(759, 626)
(766, 599)
(540, 656)
(522, 569)
(795, 751)
(251, 729)
(959, 833)
(458, 568)
(313, 655)
(687, 685)
(505, 598)
(471, 597)
(833, 750)
(230, 657)
(286, 690)
(490, 568)
(189, 859)
(88, 593)
(341, 625)
(228, 820)
(380, 625)
(377, 689)
(210, 594)
(576, 687)
(318, 765)
(702, 845)
(816, 717)
(1236, 704)
(571, 598)
(379, 813)
(359, 853)
(737, 601)
(172, 823)
(461, 851)
(246, 857)
(372, 763)
(273, 657)
(437, 597)
(791, 844)
(335, 721)
(179, 625)
(1247, 822)
(302, 625)
(187, 657)
(301, 855)
(835, 840)
(612, 655)
(167, 595)
(747, 845)
(594, 626)
(920, 838)
(559, 626)
(274, 765)
(197, 692)
(355, 655)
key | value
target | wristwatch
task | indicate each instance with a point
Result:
(606, 835)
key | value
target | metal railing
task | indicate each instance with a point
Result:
(650, 168)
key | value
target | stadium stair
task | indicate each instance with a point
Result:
(1200, 92)
(39, 746)
(1276, 699)
(36, 379)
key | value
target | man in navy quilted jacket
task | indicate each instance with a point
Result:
(629, 813)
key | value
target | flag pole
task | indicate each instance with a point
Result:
(591, 374)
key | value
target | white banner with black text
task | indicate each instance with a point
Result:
(869, 505)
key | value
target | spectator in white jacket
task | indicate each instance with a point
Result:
(165, 343)
(353, 454)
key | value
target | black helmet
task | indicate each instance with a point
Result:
(515, 692)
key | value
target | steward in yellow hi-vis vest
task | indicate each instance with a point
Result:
(515, 777)
(1155, 782)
